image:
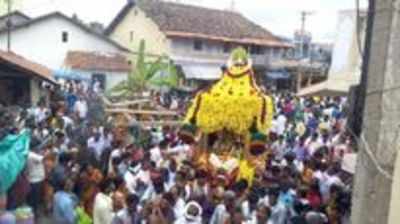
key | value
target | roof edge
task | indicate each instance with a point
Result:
(227, 39)
(17, 12)
(120, 16)
(69, 19)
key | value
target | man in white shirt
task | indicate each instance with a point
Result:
(36, 176)
(96, 143)
(279, 213)
(221, 213)
(81, 108)
(135, 174)
(41, 113)
(278, 148)
(281, 124)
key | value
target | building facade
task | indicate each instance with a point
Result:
(197, 39)
(49, 38)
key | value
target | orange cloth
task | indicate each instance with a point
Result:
(90, 190)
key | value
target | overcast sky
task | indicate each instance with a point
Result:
(282, 17)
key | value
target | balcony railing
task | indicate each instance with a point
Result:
(211, 57)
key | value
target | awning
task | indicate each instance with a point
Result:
(337, 86)
(202, 71)
(26, 66)
(278, 75)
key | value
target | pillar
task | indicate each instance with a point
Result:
(372, 190)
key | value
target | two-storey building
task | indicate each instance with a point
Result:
(197, 39)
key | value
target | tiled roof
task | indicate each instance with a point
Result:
(26, 65)
(189, 21)
(83, 60)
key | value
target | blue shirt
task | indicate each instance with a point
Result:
(64, 208)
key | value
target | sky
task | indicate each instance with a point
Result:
(281, 17)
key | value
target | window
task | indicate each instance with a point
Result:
(64, 36)
(198, 45)
(227, 47)
(256, 50)
(131, 35)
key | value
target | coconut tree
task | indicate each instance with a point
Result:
(146, 74)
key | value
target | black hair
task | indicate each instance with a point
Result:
(118, 181)
(241, 185)
(163, 144)
(132, 199)
(105, 184)
(64, 158)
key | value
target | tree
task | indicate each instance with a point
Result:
(14, 5)
(146, 74)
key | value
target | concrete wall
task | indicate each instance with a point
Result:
(346, 58)
(394, 214)
(373, 187)
(142, 27)
(42, 42)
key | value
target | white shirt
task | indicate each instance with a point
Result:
(102, 212)
(274, 126)
(132, 178)
(114, 154)
(281, 124)
(81, 108)
(220, 215)
(254, 220)
(155, 156)
(326, 183)
(179, 208)
(184, 220)
(279, 149)
(35, 167)
(40, 114)
(97, 146)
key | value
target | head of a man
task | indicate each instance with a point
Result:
(273, 195)
(263, 213)
(132, 202)
(118, 199)
(106, 186)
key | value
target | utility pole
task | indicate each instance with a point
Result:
(233, 5)
(9, 24)
(304, 15)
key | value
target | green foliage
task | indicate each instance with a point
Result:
(239, 54)
(146, 74)
(15, 5)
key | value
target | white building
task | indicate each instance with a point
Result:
(48, 39)
(345, 70)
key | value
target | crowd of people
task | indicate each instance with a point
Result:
(78, 171)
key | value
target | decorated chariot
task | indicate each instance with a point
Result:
(228, 122)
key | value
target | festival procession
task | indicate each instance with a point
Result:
(190, 112)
